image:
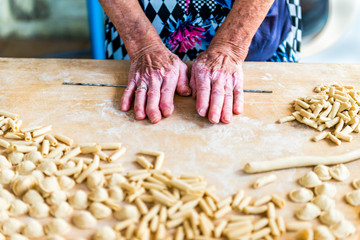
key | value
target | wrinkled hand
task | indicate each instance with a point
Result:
(217, 84)
(155, 74)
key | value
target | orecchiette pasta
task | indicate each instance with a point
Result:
(308, 212)
(339, 172)
(325, 189)
(331, 216)
(353, 197)
(301, 195)
(323, 202)
(39, 210)
(32, 196)
(33, 229)
(323, 172)
(342, 229)
(83, 219)
(309, 180)
(323, 233)
(100, 210)
(18, 208)
(105, 233)
(127, 212)
(61, 210)
(57, 226)
(11, 226)
(79, 200)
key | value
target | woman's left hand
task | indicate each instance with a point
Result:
(217, 84)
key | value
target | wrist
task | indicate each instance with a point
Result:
(138, 47)
(236, 51)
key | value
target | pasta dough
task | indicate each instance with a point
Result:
(309, 180)
(301, 161)
(301, 195)
(308, 212)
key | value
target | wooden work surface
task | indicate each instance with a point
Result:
(33, 89)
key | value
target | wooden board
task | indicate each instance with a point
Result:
(32, 88)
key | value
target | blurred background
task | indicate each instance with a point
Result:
(74, 29)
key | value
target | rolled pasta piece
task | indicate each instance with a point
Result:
(334, 139)
(144, 163)
(260, 233)
(278, 201)
(255, 210)
(51, 139)
(64, 139)
(263, 200)
(301, 161)
(265, 180)
(117, 155)
(238, 197)
(320, 136)
(110, 146)
(286, 119)
(7, 114)
(5, 144)
(91, 168)
(41, 131)
(89, 148)
(295, 226)
(45, 147)
(73, 153)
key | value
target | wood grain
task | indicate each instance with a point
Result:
(33, 88)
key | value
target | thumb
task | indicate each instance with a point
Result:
(182, 87)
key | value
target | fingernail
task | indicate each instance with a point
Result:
(167, 112)
(154, 118)
(202, 112)
(215, 118)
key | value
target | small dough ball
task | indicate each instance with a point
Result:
(339, 172)
(25, 167)
(325, 189)
(4, 216)
(79, 200)
(330, 217)
(61, 210)
(309, 180)
(32, 196)
(323, 202)
(23, 183)
(105, 233)
(38, 175)
(116, 179)
(4, 163)
(66, 183)
(57, 226)
(342, 229)
(304, 234)
(4, 204)
(33, 229)
(127, 212)
(15, 157)
(323, 172)
(56, 197)
(84, 219)
(48, 167)
(11, 226)
(356, 183)
(323, 233)
(34, 156)
(49, 185)
(95, 179)
(98, 194)
(116, 193)
(18, 208)
(353, 197)
(100, 210)
(54, 237)
(308, 212)
(7, 176)
(5, 194)
(39, 210)
(301, 195)
(17, 236)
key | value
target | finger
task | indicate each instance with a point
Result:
(182, 87)
(238, 95)
(167, 94)
(139, 105)
(128, 96)
(153, 98)
(227, 110)
(202, 93)
(193, 85)
(217, 99)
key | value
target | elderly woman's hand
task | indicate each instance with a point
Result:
(155, 74)
(217, 84)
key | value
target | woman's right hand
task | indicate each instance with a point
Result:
(155, 74)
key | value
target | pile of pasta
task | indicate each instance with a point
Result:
(316, 195)
(61, 185)
(334, 107)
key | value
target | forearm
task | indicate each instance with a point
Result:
(132, 24)
(241, 25)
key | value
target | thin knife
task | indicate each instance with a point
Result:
(124, 86)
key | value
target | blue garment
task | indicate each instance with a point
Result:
(271, 33)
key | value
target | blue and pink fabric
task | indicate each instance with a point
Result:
(188, 26)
